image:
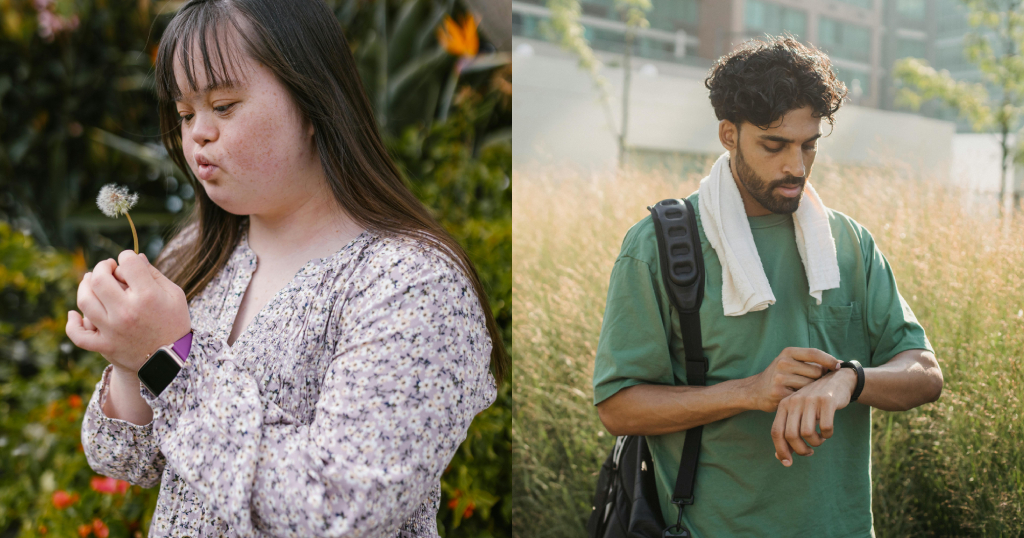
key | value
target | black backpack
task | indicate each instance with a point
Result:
(626, 503)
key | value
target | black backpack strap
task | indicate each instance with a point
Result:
(682, 270)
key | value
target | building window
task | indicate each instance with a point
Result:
(672, 15)
(766, 18)
(858, 82)
(863, 4)
(910, 14)
(910, 48)
(951, 56)
(951, 18)
(843, 40)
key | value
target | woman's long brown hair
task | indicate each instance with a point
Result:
(302, 43)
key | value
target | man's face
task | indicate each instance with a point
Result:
(772, 165)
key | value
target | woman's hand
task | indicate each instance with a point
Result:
(129, 310)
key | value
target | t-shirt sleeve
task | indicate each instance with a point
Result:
(892, 326)
(633, 347)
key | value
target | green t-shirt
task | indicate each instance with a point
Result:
(741, 489)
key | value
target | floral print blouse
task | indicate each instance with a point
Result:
(333, 414)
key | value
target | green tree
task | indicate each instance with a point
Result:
(565, 22)
(994, 45)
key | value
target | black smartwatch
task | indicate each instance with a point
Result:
(164, 364)
(860, 377)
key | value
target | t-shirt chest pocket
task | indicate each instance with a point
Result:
(839, 331)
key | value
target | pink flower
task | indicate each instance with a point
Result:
(62, 499)
(105, 484)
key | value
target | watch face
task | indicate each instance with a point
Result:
(159, 371)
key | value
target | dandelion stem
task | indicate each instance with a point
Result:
(134, 235)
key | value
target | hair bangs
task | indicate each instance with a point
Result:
(199, 38)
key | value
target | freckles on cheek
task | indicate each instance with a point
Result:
(261, 148)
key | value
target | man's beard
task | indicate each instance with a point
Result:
(762, 191)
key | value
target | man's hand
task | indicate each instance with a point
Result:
(800, 414)
(794, 369)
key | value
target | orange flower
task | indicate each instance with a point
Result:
(62, 499)
(42, 529)
(459, 39)
(78, 263)
(75, 401)
(84, 530)
(105, 484)
(100, 529)
(455, 499)
(53, 411)
(469, 511)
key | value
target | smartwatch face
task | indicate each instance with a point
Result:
(159, 371)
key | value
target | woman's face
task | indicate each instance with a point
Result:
(247, 141)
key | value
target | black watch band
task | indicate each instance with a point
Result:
(860, 377)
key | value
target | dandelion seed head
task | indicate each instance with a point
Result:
(114, 200)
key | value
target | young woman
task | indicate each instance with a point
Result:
(337, 342)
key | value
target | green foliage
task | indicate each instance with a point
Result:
(921, 83)
(45, 383)
(994, 45)
(53, 94)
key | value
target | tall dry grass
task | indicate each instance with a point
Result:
(951, 468)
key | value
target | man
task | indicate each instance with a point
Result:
(774, 390)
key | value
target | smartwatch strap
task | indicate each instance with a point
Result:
(860, 377)
(183, 346)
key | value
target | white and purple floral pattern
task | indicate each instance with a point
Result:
(333, 414)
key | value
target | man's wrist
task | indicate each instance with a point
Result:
(848, 379)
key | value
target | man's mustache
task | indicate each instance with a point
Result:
(788, 182)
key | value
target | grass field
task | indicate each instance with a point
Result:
(951, 468)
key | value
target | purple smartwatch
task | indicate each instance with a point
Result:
(164, 364)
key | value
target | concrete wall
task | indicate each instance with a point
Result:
(557, 117)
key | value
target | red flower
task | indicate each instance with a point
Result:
(42, 529)
(100, 529)
(61, 499)
(455, 499)
(105, 484)
(84, 530)
(469, 511)
(75, 401)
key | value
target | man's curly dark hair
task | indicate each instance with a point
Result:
(763, 80)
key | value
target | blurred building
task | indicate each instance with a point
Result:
(670, 117)
(862, 37)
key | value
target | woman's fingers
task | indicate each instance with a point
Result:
(105, 286)
(88, 303)
(79, 334)
(88, 324)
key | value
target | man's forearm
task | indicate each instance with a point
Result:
(661, 409)
(909, 379)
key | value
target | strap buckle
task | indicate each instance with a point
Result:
(678, 530)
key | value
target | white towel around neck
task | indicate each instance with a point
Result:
(745, 287)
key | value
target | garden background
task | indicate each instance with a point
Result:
(78, 110)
